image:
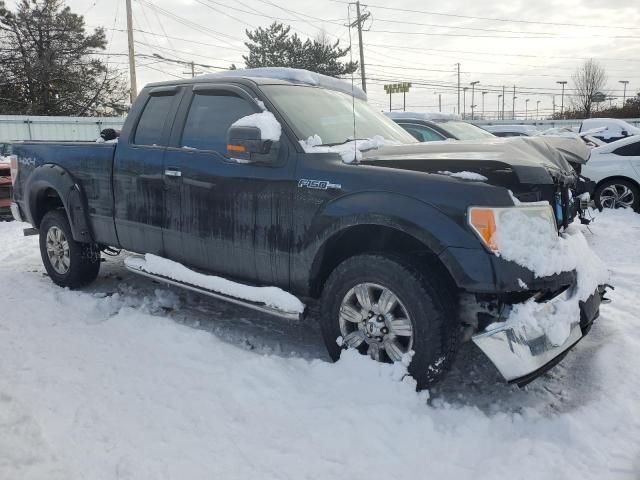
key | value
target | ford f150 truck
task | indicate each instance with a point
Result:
(321, 196)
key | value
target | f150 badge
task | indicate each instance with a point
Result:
(318, 184)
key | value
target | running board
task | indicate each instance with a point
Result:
(210, 293)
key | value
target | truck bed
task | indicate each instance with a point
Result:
(91, 165)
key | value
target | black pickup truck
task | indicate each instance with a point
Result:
(382, 239)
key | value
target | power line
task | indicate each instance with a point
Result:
(493, 19)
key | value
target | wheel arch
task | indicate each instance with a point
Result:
(619, 177)
(52, 187)
(370, 238)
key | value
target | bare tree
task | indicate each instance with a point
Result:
(589, 80)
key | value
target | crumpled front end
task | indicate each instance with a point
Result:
(521, 354)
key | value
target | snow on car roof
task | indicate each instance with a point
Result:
(293, 75)
(614, 126)
(611, 146)
(426, 116)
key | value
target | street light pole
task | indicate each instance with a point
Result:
(498, 111)
(537, 109)
(563, 83)
(513, 109)
(526, 109)
(624, 92)
(473, 105)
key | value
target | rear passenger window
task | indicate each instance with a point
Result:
(209, 118)
(631, 150)
(151, 124)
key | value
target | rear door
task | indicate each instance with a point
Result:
(138, 173)
(227, 217)
(631, 152)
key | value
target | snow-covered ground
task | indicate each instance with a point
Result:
(129, 379)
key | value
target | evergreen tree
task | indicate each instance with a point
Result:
(275, 47)
(47, 65)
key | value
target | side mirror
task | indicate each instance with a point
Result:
(246, 145)
(624, 133)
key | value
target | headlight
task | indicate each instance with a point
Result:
(520, 223)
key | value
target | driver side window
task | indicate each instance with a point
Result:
(210, 116)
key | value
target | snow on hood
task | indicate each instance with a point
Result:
(473, 176)
(350, 152)
(294, 75)
(270, 128)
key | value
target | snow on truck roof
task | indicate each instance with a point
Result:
(292, 75)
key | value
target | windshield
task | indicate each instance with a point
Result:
(330, 115)
(464, 130)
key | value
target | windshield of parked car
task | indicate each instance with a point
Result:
(463, 130)
(330, 115)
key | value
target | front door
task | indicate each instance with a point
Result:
(229, 218)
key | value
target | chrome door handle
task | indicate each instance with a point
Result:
(173, 173)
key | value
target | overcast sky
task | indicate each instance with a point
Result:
(532, 56)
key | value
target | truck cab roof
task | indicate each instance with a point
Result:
(272, 76)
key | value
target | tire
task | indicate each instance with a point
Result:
(617, 193)
(79, 263)
(435, 331)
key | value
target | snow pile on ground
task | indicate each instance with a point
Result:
(350, 152)
(473, 176)
(270, 128)
(97, 385)
(529, 241)
(271, 296)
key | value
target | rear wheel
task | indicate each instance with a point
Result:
(617, 193)
(386, 308)
(69, 263)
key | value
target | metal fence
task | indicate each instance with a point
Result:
(544, 124)
(22, 127)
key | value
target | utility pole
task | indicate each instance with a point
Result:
(498, 110)
(563, 83)
(537, 109)
(624, 94)
(358, 22)
(458, 65)
(503, 97)
(513, 109)
(526, 109)
(439, 101)
(483, 94)
(193, 72)
(133, 93)
(473, 90)
(554, 107)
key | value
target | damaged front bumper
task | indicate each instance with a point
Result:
(521, 359)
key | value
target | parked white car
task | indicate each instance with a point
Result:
(615, 167)
(612, 129)
(512, 130)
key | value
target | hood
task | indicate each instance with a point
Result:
(503, 161)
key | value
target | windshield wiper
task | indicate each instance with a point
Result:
(346, 140)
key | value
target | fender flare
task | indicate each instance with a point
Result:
(403, 213)
(56, 178)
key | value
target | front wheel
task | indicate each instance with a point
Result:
(69, 263)
(617, 193)
(386, 308)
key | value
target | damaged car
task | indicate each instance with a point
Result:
(284, 191)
